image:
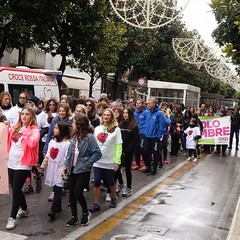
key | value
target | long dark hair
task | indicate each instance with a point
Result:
(131, 119)
(64, 130)
(83, 127)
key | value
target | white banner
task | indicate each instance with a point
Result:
(216, 130)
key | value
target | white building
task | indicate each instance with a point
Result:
(174, 92)
(74, 82)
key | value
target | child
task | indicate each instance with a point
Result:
(193, 134)
(54, 161)
(83, 152)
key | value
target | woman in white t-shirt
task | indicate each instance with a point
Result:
(109, 139)
(23, 139)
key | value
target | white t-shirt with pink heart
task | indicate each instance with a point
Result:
(106, 142)
(191, 133)
(56, 154)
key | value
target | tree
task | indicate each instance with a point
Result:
(227, 34)
(100, 57)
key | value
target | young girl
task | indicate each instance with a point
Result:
(129, 131)
(54, 161)
(83, 152)
(193, 134)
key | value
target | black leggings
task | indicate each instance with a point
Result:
(77, 183)
(17, 179)
(128, 168)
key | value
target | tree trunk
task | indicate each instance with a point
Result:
(115, 84)
(91, 86)
(3, 46)
(62, 68)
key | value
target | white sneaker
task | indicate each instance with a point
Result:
(22, 213)
(11, 224)
(119, 188)
(127, 193)
(195, 160)
(189, 159)
(108, 197)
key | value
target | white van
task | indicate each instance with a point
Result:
(37, 82)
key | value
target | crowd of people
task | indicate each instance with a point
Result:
(72, 140)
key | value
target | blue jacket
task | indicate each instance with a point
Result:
(141, 119)
(89, 153)
(155, 123)
(165, 125)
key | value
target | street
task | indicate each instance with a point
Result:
(183, 201)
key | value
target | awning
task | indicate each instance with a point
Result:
(75, 83)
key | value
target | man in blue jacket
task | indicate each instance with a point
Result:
(154, 127)
(139, 115)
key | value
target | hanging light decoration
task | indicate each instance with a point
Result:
(148, 14)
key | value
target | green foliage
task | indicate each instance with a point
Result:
(227, 34)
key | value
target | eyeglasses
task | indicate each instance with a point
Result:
(22, 97)
(88, 105)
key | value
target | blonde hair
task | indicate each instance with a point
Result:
(82, 108)
(33, 120)
(2, 94)
(113, 123)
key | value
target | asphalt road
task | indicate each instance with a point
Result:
(184, 201)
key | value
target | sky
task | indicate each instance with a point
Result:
(198, 15)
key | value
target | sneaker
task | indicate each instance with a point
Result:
(85, 219)
(113, 202)
(189, 159)
(136, 167)
(11, 224)
(73, 221)
(143, 168)
(52, 214)
(22, 213)
(108, 197)
(94, 208)
(152, 173)
(119, 187)
(28, 189)
(161, 167)
(195, 160)
(38, 184)
(127, 193)
(51, 197)
(147, 170)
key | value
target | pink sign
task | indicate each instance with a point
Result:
(4, 185)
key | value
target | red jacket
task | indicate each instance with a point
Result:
(30, 143)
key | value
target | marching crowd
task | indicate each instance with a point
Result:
(70, 141)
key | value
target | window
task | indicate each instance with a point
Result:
(1, 87)
(15, 90)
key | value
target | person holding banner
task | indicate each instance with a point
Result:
(23, 139)
(222, 147)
